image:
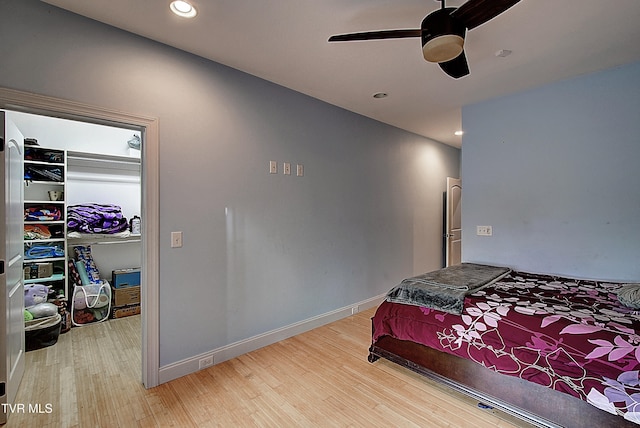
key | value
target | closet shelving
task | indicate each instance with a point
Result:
(109, 179)
(77, 177)
(45, 210)
(103, 169)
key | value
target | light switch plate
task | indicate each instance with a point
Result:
(484, 230)
(176, 239)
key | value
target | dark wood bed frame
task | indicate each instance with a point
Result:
(533, 403)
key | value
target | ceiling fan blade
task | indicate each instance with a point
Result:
(376, 35)
(476, 12)
(457, 67)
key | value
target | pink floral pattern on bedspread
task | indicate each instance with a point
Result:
(567, 334)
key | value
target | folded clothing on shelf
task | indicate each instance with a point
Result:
(45, 173)
(42, 213)
(96, 218)
(36, 231)
(43, 252)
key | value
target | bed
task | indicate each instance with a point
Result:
(553, 351)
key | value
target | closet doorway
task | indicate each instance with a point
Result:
(83, 169)
(95, 226)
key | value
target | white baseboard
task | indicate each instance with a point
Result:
(192, 365)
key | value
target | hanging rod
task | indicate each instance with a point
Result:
(107, 165)
(97, 157)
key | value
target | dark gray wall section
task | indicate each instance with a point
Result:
(260, 251)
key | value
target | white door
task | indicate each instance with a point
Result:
(453, 233)
(11, 256)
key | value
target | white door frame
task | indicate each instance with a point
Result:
(37, 104)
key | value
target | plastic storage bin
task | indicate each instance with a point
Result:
(42, 332)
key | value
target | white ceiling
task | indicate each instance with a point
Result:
(285, 41)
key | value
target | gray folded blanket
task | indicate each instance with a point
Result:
(445, 289)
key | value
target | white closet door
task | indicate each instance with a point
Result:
(12, 342)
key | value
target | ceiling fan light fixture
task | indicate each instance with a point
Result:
(183, 9)
(442, 36)
(443, 48)
(442, 33)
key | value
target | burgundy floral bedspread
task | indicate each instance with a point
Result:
(570, 335)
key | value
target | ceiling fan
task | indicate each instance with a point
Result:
(442, 32)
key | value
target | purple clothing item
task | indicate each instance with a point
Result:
(96, 218)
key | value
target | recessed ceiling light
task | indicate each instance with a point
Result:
(458, 133)
(380, 95)
(503, 53)
(183, 8)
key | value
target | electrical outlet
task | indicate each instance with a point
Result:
(484, 231)
(273, 167)
(206, 362)
(286, 168)
(300, 170)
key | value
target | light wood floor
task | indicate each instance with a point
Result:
(318, 379)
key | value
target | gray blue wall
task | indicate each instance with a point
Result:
(260, 251)
(555, 171)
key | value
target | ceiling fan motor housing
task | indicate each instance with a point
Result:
(442, 36)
